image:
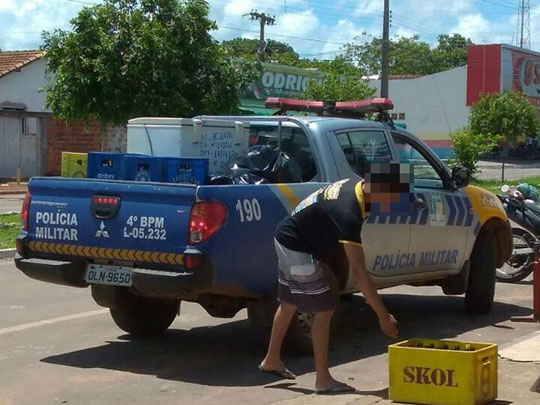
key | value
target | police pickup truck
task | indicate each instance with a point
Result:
(145, 247)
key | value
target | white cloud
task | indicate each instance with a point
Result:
(480, 30)
(21, 23)
(339, 21)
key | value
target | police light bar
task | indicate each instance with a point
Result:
(366, 106)
(360, 107)
(291, 104)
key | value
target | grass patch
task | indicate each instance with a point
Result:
(495, 185)
(9, 229)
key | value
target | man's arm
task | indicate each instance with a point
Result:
(357, 264)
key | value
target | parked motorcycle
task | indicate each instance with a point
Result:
(526, 213)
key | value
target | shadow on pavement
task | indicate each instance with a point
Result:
(228, 354)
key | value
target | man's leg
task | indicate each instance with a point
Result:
(282, 319)
(320, 332)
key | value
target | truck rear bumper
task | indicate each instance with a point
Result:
(148, 283)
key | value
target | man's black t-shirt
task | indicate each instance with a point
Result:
(329, 216)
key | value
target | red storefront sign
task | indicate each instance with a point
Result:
(496, 68)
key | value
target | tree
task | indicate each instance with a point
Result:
(127, 58)
(275, 51)
(451, 52)
(409, 56)
(508, 115)
(344, 82)
(468, 147)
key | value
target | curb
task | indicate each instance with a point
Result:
(6, 192)
(7, 253)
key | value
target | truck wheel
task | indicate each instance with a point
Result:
(298, 338)
(142, 316)
(481, 286)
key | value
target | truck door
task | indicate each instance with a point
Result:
(385, 238)
(441, 214)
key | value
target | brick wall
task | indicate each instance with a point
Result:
(78, 137)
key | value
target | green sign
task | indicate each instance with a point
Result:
(281, 81)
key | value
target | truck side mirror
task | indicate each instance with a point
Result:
(460, 177)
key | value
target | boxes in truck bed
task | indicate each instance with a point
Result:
(185, 170)
(106, 165)
(73, 164)
(143, 168)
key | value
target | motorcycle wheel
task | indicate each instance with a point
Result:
(518, 266)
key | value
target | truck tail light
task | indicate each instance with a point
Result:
(24, 212)
(205, 220)
(104, 207)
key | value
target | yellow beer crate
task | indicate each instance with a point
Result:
(426, 371)
(73, 164)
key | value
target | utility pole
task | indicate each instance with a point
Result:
(385, 40)
(264, 20)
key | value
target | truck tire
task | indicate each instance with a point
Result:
(481, 285)
(298, 338)
(142, 316)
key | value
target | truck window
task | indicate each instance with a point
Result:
(361, 147)
(293, 141)
(424, 173)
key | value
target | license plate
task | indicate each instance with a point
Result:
(108, 275)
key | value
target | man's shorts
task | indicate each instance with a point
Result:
(305, 282)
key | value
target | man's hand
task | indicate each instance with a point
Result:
(388, 326)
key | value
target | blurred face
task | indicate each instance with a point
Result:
(388, 188)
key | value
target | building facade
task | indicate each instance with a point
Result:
(31, 140)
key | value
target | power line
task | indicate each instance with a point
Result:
(285, 36)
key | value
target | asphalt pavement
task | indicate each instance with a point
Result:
(514, 169)
(58, 346)
(11, 203)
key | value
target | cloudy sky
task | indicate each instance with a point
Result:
(315, 28)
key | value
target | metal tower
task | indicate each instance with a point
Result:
(523, 33)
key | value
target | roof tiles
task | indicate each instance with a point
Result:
(14, 60)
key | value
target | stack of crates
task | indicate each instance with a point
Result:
(137, 167)
(427, 371)
(106, 165)
(185, 170)
(143, 168)
(73, 164)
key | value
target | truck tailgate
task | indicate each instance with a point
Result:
(114, 220)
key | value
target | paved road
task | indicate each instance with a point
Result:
(512, 171)
(57, 346)
(11, 203)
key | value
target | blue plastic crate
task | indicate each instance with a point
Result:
(143, 168)
(106, 165)
(185, 170)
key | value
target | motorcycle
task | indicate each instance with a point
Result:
(526, 213)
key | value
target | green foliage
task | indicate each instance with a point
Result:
(275, 51)
(338, 88)
(344, 82)
(451, 52)
(409, 56)
(128, 58)
(508, 115)
(468, 147)
(495, 185)
(9, 229)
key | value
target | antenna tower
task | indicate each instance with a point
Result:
(523, 35)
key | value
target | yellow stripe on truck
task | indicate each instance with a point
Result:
(94, 252)
(289, 194)
(485, 204)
